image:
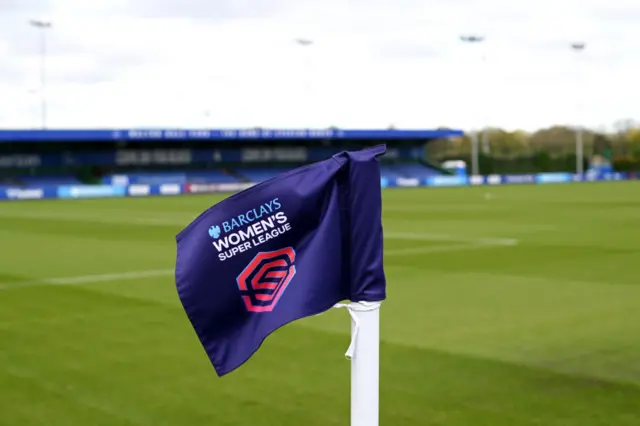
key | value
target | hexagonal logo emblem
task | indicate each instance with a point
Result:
(265, 279)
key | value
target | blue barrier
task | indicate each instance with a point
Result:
(144, 190)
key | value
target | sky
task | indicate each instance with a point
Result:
(370, 63)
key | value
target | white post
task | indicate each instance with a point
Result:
(364, 353)
(42, 26)
(307, 78)
(480, 135)
(365, 363)
(578, 48)
(475, 163)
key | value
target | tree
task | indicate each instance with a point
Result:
(554, 140)
(602, 146)
(633, 139)
(506, 144)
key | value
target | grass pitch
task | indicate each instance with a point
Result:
(507, 306)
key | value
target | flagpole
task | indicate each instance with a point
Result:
(365, 363)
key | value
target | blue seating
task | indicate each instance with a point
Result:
(162, 177)
(252, 174)
(408, 170)
(147, 178)
(48, 180)
(208, 176)
(261, 174)
(389, 171)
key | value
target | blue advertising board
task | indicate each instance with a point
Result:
(446, 180)
(91, 191)
(554, 177)
(140, 190)
(518, 179)
(34, 193)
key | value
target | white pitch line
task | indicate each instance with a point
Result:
(109, 277)
(436, 208)
(467, 244)
(441, 249)
(446, 237)
(104, 218)
(183, 220)
(88, 279)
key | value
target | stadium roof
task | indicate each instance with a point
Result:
(106, 135)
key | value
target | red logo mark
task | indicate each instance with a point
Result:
(265, 278)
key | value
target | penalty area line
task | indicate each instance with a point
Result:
(491, 241)
(443, 249)
(88, 279)
(465, 244)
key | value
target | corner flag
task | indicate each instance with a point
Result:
(288, 248)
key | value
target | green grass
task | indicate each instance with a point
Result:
(545, 331)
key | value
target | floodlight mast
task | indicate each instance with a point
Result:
(472, 38)
(305, 43)
(475, 166)
(579, 47)
(42, 27)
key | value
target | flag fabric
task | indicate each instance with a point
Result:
(287, 248)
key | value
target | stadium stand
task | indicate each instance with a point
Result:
(231, 158)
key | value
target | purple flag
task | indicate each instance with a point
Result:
(285, 249)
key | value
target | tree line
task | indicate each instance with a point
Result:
(552, 149)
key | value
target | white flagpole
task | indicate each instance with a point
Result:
(364, 353)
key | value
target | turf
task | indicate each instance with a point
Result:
(508, 306)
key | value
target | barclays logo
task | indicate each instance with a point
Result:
(214, 231)
(256, 216)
